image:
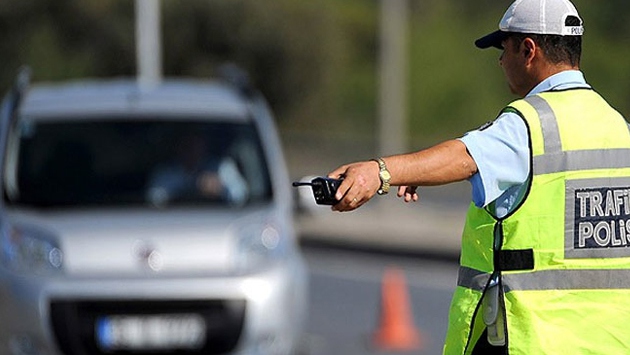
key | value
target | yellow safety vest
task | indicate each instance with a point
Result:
(560, 261)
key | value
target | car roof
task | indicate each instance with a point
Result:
(126, 97)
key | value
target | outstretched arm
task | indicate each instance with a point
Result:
(441, 164)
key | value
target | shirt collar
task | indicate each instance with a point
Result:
(568, 79)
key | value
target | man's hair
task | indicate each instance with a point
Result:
(557, 49)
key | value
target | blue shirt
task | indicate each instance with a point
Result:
(501, 151)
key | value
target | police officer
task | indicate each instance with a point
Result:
(545, 262)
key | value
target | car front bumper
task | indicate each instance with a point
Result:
(260, 313)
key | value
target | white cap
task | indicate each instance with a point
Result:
(547, 17)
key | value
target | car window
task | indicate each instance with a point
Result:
(153, 162)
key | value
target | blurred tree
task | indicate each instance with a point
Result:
(456, 87)
(282, 44)
(315, 61)
(67, 39)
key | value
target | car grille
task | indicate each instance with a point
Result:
(74, 323)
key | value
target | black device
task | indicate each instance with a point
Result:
(324, 189)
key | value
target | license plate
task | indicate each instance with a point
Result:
(150, 332)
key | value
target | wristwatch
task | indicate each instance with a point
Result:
(384, 175)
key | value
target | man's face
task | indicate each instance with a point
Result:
(512, 60)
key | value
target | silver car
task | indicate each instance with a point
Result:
(149, 220)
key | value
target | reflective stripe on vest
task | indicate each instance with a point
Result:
(555, 160)
(549, 279)
(581, 160)
(472, 279)
(598, 279)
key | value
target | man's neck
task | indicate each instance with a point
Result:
(554, 69)
(548, 70)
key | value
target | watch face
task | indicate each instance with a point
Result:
(385, 175)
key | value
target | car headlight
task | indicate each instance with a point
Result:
(27, 251)
(258, 244)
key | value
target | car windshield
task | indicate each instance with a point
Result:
(153, 162)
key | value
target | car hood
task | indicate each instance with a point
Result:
(154, 242)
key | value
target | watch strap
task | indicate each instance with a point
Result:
(384, 176)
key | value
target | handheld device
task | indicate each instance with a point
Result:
(324, 189)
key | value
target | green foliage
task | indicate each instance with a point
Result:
(455, 87)
(315, 61)
(606, 49)
(444, 60)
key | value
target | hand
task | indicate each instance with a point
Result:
(408, 192)
(209, 184)
(360, 183)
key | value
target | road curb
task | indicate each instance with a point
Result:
(429, 230)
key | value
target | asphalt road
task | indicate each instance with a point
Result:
(347, 300)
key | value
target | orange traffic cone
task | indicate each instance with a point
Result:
(396, 331)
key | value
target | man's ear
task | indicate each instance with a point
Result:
(529, 48)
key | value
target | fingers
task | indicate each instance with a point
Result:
(408, 193)
(348, 203)
(339, 172)
(349, 196)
